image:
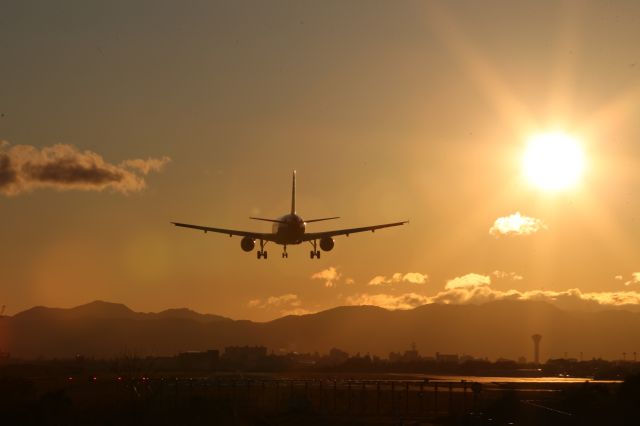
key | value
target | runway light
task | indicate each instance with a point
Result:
(70, 378)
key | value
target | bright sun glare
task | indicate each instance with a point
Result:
(553, 161)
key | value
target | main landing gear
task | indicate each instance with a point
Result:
(285, 255)
(315, 252)
(262, 253)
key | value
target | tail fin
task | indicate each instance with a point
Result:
(293, 194)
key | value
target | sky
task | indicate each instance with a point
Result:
(119, 117)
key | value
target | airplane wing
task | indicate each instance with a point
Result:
(229, 232)
(317, 235)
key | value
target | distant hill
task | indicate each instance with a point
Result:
(496, 329)
(106, 310)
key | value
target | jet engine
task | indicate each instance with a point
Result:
(326, 243)
(247, 243)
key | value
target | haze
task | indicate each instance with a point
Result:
(388, 111)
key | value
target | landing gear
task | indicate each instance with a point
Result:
(285, 255)
(315, 252)
(261, 253)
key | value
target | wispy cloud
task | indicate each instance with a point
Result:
(330, 276)
(254, 303)
(502, 275)
(635, 279)
(286, 304)
(468, 280)
(398, 277)
(24, 168)
(389, 301)
(516, 224)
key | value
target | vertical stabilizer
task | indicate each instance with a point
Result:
(293, 194)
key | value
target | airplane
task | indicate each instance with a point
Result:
(289, 229)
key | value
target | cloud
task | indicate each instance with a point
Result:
(24, 168)
(618, 278)
(286, 304)
(635, 279)
(398, 277)
(329, 275)
(469, 295)
(502, 275)
(295, 311)
(254, 303)
(284, 300)
(148, 165)
(389, 301)
(516, 224)
(415, 277)
(379, 280)
(568, 299)
(469, 280)
(573, 299)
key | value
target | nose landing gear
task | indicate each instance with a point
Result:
(285, 255)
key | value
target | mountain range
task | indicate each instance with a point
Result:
(495, 329)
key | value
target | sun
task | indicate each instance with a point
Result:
(553, 161)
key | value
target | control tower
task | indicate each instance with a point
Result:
(536, 348)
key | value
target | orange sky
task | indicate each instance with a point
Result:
(388, 111)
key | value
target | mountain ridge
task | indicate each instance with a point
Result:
(494, 329)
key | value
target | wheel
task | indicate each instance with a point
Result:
(264, 253)
(318, 254)
(311, 254)
(258, 254)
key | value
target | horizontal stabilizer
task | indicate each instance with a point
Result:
(324, 218)
(267, 220)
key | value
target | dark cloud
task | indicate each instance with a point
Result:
(63, 167)
(66, 171)
(7, 174)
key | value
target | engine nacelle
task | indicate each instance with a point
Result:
(326, 243)
(247, 243)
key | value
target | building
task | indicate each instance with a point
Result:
(198, 360)
(245, 357)
(447, 358)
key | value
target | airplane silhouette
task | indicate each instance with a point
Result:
(287, 230)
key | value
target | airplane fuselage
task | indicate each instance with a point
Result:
(289, 229)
